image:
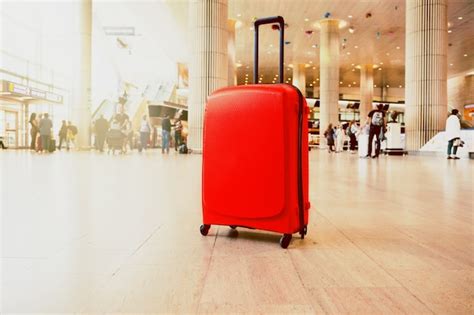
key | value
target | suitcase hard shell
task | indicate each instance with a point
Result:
(255, 159)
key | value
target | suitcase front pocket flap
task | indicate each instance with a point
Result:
(243, 166)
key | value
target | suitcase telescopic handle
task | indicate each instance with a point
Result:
(262, 21)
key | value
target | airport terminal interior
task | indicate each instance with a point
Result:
(110, 151)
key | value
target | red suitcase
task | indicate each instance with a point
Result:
(255, 155)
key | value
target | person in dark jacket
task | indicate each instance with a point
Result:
(330, 134)
(101, 128)
(33, 131)
(165, 134)
(45, 127)
(62, 134)
(178, 127)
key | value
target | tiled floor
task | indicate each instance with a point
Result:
(90, 233)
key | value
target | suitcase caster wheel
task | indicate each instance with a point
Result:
(304, 232)
(285, 240)
(204, 229)
(233, 227)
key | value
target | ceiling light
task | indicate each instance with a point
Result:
(387, 85)
(349, 85)
(276, 75)
(311, 84)
(375, 85)
(459, 17)
(351, 30)
(465, 55)
(340, 82)
(451, 64)
(310, 62)
(349, 16)
(348, 53)
(356, 46)
(314, 46)
(353, 69)
(306, 19)
(314, 68)
(450, 31)
(400, 86)
(388, 54)
(291, 65)
(239, 15)
(289, 79)
(314, 82)
(352, 64)
(317, 79)
(380, 69)
(354, 82)
(398, 47)
(381, 63)
(246, 74)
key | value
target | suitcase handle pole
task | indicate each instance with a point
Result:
(262, 21)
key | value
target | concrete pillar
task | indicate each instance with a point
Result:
(329, 73)
(425, 71)
(299, 77)
(208, 67)
(81, 105)
(232, 72)
(366, 91)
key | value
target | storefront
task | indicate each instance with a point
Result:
(17, 101)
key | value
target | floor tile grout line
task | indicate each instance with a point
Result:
(137, 249)
(207, 271)
(381, 267)
(421, 244)
(302, 283)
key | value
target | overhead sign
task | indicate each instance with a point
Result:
(18, 88)
(25, 91)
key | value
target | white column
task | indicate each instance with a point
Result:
(366, 91)
(81, 104)
(425, 70)
(208, 67)
(299, 77)
(329, 74)
(232, 71)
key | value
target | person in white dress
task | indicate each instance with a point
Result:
(339, 139)
(363, 139)
(453, 134)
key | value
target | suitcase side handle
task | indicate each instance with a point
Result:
(269, 20)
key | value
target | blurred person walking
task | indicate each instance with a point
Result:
(34, 130)
(377, 123)
(165, 134)
(352, 131)
(101, 128)
(71, 135)
(178, 127)
(62, 134)
(453, 134)
(339, 139)
(45, 127)
(363, 139)
(329, 134)
(145, 130)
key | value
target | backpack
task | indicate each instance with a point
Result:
(377, 118)
(73, 130)
(183, 149)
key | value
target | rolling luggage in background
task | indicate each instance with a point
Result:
(52, 145)
(248, 182)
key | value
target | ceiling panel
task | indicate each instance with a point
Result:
(378, 37)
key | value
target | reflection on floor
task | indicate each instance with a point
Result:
(92, 233)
